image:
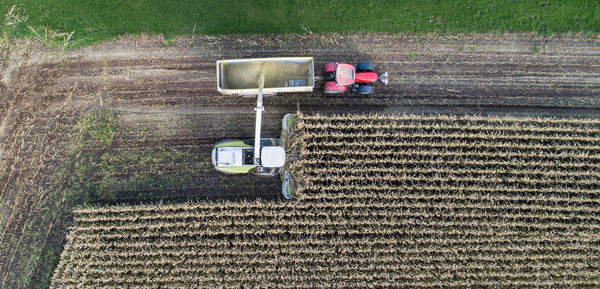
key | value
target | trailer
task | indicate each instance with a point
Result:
(281, 74)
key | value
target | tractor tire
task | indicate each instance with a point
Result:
(365, 89)
(365, 67)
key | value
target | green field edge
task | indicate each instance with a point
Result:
(77, 24)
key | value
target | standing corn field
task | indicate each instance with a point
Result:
(383, 201)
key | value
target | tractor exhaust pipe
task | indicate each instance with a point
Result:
(383, 78)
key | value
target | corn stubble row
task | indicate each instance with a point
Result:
(383, 201)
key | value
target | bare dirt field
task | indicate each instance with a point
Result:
(133, 120)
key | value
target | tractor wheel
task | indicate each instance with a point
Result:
(365, 67)
(364, 89)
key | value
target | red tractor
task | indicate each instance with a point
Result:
(341, 77)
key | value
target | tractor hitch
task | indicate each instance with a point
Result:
(383, 78)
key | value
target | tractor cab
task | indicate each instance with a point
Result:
(344, 74)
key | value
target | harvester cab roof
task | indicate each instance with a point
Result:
(272, 157)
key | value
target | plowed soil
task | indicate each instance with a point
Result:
(165, 103)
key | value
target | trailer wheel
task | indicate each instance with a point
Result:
(365, 67)
(365, 89)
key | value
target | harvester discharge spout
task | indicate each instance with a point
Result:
(259, 109)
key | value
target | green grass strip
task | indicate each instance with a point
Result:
(98, 20)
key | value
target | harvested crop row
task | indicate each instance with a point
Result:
(420, 211)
